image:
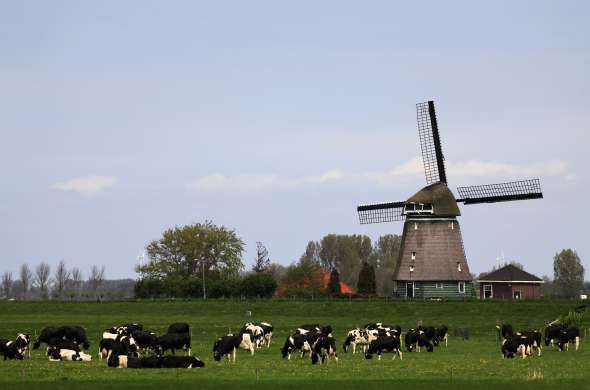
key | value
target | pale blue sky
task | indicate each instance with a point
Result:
(120, 119)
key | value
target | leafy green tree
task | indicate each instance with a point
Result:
(568, 273)
(386, 252)
(184, 252)
(334, 283)
(258, 286)
(305, 278)
(366, 282)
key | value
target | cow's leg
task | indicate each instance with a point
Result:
(379, 355)
(446, 340)
(399, 351)
(234, 354)
(353, 348)
(577, 342)
(269, 339)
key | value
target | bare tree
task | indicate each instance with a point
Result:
(6, 284)
(60, 279)
(75, 283)
(96, 279)
(25, 279)
(261, 262)
(41, 278)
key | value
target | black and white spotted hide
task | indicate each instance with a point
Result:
(10, 351)
(323, 348)
(384, 344)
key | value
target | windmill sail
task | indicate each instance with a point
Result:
(381, 212)
(501, 192)
(432, 156)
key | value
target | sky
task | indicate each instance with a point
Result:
(121, 119)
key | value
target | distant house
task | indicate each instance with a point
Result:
(509, 282)
(344, 288)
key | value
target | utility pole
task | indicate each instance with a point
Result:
(204, 290)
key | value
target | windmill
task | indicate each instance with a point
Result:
(432, 262)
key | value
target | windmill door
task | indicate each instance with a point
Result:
(410, 289)
(516, 294)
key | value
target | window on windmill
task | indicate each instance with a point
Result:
(439, 285)
(413, 255)
(458, 266)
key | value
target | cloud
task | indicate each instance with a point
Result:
(219, 182)
(87, 186)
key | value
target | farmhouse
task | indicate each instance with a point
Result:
(510, 282)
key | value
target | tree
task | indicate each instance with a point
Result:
(185, 251)
(334, 283)
(7, 284)
(60, 279)
(568, 273)
(262, 262)
(258, 285)
(366, 284)
(386, 252)
(306, 277)
(312, 253)
(25, 279)
(96, 279)
(75, 283)
(42, 272)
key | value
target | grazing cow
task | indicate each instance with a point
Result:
(441, 333)
(73, 333)
(552, 332)
(416, 339)
(384, 344)
(567, 335)
(174, 341)
(505, 331)
(10, 350)
(298, 342)
(145, 340)
(267, 329)
(179, 327)
(226, 345)
(181, 362)
(514, 345)
(324, 347)
(56, 354)
(358, 336)
(534, 340)
(47, 333)
(256, 333)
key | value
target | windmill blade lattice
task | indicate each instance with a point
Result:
(501, 192)
(432, 156)
(381, 212)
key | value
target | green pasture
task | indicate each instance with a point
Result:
(472, 363)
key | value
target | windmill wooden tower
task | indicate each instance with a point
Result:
(432, 262)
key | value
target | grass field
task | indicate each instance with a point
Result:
(473, 363)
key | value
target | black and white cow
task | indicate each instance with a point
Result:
(9, 349)
(174, 341)
(513, 345)
(504, 331)
(416, 339)
(567, 335)
(385, 344)
(323, 348)
(23, 341)
(179, 327)
(552, 332)
(226, 346)
(256, 333)
(56, 354)
(299, 342)
(73, 333)
(125, 361)
(359, 337)
(267, 329)
(181, 362)
(533, 340)
(441, 333)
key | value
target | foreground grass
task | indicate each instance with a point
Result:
(465, 363)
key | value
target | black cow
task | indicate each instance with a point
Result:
(567, 335)
(145, 340)
(181, 362)
(174, 341)
(73, 333)
(441, 333)
(226, 345)
(416, 339)
(179, 327)
(513, 345)
(505, 331)
(299, 342)
(552, 332)
(324, 347)
(385, 344)
(10, 350)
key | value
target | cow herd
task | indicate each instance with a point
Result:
(528, 342)
(131, 346)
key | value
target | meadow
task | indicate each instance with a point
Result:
(472, 363)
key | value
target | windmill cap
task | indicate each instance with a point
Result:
(440, 197)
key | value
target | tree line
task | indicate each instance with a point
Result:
(64, 283)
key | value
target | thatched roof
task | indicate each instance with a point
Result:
(438, 252)
(440, 197)
(510, 273)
